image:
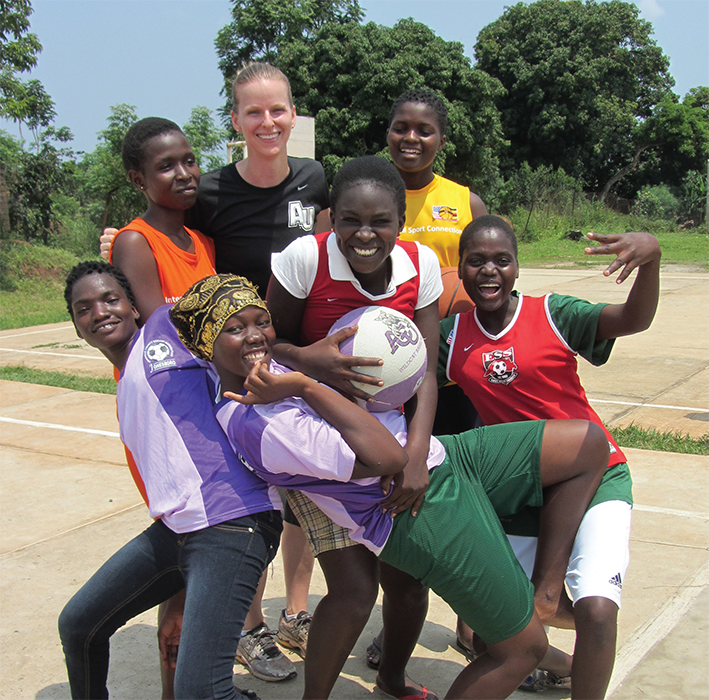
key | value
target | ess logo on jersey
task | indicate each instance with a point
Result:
(499, 366)
(300, 216)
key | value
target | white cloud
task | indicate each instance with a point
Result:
(651, 9)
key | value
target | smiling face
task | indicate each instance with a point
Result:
(367, 223)
(102, 314)
(489, 269)
(414, 137)
(169, 175)
(245, 339)
(265, 116)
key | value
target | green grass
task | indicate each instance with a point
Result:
(651, 439)
(17, 373)
(678, 248)
(32, 284)
(33, 303)
(541, 239)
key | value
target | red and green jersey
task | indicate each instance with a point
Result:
(529, 370)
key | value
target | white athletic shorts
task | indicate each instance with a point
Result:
(600, 555)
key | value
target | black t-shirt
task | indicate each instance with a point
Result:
(249, 224)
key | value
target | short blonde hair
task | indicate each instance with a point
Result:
(258, 71)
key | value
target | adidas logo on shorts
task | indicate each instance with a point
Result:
(616, 581)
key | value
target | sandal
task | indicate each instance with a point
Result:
(423, 694)
(373, 654)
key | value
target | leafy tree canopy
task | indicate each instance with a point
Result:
(104, 186)
(206, 138)
(579, 78)
(259, 27)
(18, 49)
(22, 102)
(347, 75)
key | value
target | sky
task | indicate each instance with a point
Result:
(159, 56)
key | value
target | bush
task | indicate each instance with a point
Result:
(543, 194)
(79, 235)
(23, 261)
(657, 202)
(694, 196)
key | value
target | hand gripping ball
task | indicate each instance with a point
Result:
(397, 341)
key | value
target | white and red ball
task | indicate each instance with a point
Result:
(389, 335)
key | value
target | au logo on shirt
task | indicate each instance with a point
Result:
(300, 216)
(445, 213)
(500, 366)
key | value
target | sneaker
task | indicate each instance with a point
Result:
(541, 680)
(294, 634)
(259, 652)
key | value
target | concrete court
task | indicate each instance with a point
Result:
(663, 637)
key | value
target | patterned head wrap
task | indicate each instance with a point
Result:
(207, 305)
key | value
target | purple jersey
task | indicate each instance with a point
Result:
(291, 446)
(165, 413)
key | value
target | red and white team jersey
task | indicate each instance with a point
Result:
(527, 372)
(314, 269)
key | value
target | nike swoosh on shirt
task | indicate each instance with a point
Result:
(333, 299)
(302, 187)
(468, 348)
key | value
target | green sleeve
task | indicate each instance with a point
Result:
(577, 322)
(444, 349)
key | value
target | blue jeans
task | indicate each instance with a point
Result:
(219, 567)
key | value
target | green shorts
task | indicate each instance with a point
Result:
(456, 545)
(616, 485)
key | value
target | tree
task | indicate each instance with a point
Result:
(18, 49)
(34, 180)
(104, 186)
(22, 102)
(206, 138)
(259, 27)
(673, 140)
(348, 75)
(579, 78)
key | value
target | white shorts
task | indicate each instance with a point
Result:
(600, 554)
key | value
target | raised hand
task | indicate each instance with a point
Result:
(631, 250)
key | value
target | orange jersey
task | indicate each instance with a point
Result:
(178, 270)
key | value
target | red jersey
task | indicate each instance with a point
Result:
(329, 300)
(527, 372)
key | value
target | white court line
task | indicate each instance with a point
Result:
(656, 629)
(55, 354)
(56, 426)
(672, 511)
(44, 330)
(650, 405)
(73, 529)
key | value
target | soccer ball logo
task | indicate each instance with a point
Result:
(500, 366)
(157, 351)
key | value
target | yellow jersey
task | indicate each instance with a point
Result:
(436, 216)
